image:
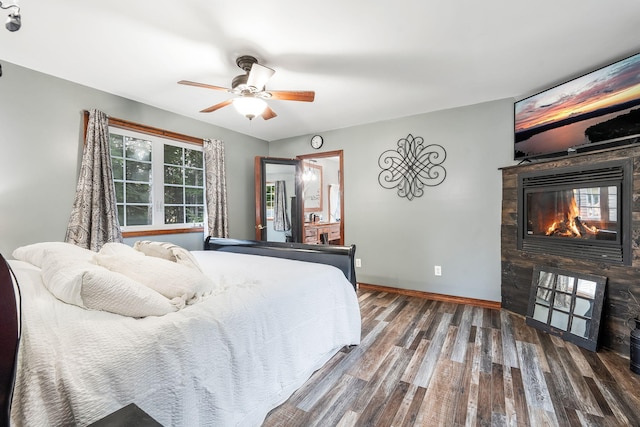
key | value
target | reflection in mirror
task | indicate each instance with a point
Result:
(312, 177)
(559, 320)
(334, 202)
(586, 288)
(562, 301)
(541, 313)
(546, 279)
(278, 192)
(323, 221)
(567, 304)
(280, 183)
(580, 327)
(543, 296)
(583, 307)
(565, 283)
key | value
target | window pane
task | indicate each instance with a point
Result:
(174, 215)
(138, 215)
(192, 158)
(138, 193)
(138, 149)
(173, 195)
(194, 177)
(138, 171)
(117, 165)
(115, 141)
(172, 155)
(120, 209)
(195, 214)
(194, 196)
(119, 192)
(173, 175)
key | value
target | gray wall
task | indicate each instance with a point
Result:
(455, 225)
(41, 144)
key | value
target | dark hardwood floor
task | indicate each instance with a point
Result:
(424, 362)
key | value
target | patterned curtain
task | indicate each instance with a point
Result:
(216, 191)
(94, 217)
(280, 218)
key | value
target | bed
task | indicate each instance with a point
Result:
(222, 355)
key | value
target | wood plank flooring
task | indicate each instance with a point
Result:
(430, 363)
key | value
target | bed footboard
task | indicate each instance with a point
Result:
(341, 257)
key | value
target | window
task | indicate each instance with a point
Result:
(159, 182)
(270, 199)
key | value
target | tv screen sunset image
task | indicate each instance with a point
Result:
(596, 107)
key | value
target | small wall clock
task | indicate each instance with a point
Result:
(316, 141)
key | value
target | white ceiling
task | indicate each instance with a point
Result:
(366, 60)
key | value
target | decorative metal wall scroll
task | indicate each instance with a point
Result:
(412, 167)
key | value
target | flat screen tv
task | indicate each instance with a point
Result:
(597, 110)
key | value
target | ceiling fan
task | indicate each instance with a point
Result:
(251, 92)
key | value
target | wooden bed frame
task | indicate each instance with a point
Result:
(9, 338)
(341, 257)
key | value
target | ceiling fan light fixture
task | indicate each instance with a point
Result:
(249, 106)
(14, 21)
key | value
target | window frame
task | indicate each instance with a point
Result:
(151, 131)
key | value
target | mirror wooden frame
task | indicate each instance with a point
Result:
(567, 304)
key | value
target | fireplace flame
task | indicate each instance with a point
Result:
(570, 225)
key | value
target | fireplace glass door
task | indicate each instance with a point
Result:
(589, 213)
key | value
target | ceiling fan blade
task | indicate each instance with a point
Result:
(268, 113)
(206, 86)
(288, 95)
(217, 106)
(259, 76)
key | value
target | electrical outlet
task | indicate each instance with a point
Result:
(358, 262)
(437, 270)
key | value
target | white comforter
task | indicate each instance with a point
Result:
(225, 361)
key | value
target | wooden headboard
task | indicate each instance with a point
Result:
(9, 338)
(341, 257)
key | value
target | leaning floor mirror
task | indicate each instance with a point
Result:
(567, 304)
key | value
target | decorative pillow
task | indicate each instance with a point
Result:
(168, 251)
(168, 278)
(34, 253)
(113, 292)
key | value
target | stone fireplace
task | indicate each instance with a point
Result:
(575, 213)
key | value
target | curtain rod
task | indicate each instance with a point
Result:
(126, 124)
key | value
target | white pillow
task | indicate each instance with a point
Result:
(113, 292)
(168, 278)
(34, 253)
(89, 285)
(168, 251)
(115, 248)
(62, 275)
